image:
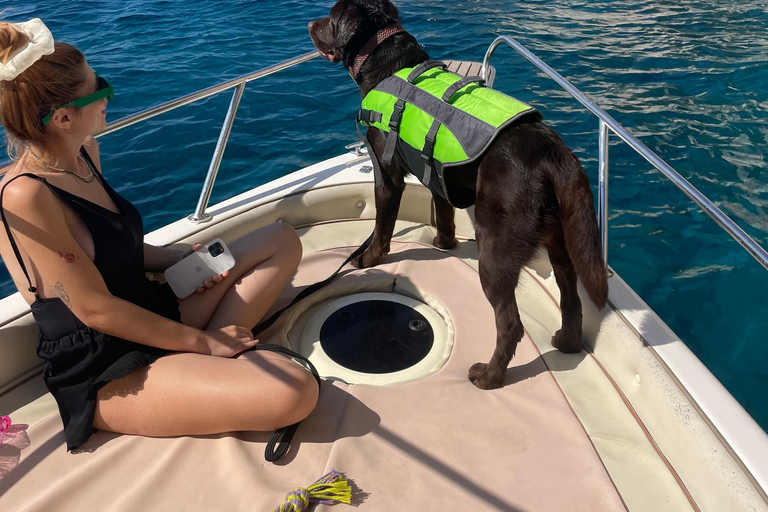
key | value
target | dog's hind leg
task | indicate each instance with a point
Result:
(568, 338)
(444, 221)
(499, 264)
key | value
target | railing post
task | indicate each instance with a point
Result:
(602, 190)
(487, 73)
(218, 154)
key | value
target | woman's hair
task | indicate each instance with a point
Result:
(53, 80)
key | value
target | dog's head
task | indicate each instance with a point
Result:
(351, 23)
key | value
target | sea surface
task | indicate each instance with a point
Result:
(688, 78)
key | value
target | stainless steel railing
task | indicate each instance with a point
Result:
(239, 84)
(608, 124)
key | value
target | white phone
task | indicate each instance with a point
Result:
(188, 274)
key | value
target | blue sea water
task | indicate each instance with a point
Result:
(688, 78)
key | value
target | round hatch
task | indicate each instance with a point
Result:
(376, 338)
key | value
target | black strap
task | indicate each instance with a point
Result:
(460, 84)
(94, 170)
(11, 239)
(423, 68)
(280, 442)
(368, 116)
(428, 151)
(394, 127)
(309, 290)
(8, 228)
(372, 154)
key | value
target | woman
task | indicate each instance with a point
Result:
(123, 354)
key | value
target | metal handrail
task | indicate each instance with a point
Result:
(606, 122)
(204, 93)
(239, 84)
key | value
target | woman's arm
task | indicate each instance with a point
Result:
(38, 219)
(158, 259)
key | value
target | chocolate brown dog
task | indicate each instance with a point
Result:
(530, 190)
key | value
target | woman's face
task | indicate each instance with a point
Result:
(91, 118)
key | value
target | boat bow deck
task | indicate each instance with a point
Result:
(563, 434)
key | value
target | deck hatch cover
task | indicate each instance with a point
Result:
(376, 336)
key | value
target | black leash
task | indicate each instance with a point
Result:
(280, 441)
(309, 290)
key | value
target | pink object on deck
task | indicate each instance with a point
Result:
(5, 424)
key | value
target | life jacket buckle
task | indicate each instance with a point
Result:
(429, 144)
(397, 114)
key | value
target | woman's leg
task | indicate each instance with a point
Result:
(194, 394)
(265, 260)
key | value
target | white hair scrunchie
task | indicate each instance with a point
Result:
(40, 43)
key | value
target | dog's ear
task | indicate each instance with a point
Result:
(378, 13)
(347, 26)
(356, 22)
(390, 11)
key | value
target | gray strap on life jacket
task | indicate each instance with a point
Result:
(460, 84)
(423, 68)
(368, 116)
(394, 127)
(374, 160)
(428, 151)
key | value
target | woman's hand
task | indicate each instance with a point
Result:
(226, 342)
(207, 283)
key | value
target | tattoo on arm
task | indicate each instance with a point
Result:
(68, 257)
(63, 295)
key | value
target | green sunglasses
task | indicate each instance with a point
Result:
(103, 90)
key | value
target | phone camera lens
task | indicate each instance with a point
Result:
(216, 249)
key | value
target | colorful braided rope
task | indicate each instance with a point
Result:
(331, 488)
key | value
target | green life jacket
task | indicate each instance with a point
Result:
(438, 123)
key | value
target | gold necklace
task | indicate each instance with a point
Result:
(86, 179)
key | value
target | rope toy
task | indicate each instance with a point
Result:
(330, 488)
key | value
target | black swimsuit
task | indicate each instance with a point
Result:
(81, 360)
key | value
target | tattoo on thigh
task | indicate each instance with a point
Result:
(68, 257)
(63, 295)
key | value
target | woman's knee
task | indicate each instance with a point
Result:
(288, 244)
(298, 397)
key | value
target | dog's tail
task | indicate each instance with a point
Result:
(582, 235)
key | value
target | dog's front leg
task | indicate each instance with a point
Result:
(388, 193)
(445, 223)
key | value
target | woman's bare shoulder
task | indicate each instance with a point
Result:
(27, 197)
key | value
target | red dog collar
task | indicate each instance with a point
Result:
(370, 46)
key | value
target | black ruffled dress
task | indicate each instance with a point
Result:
(81, 360)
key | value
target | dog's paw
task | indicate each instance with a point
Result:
(443, 244)
(366, 260)
(568, 343)
(481, 377)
